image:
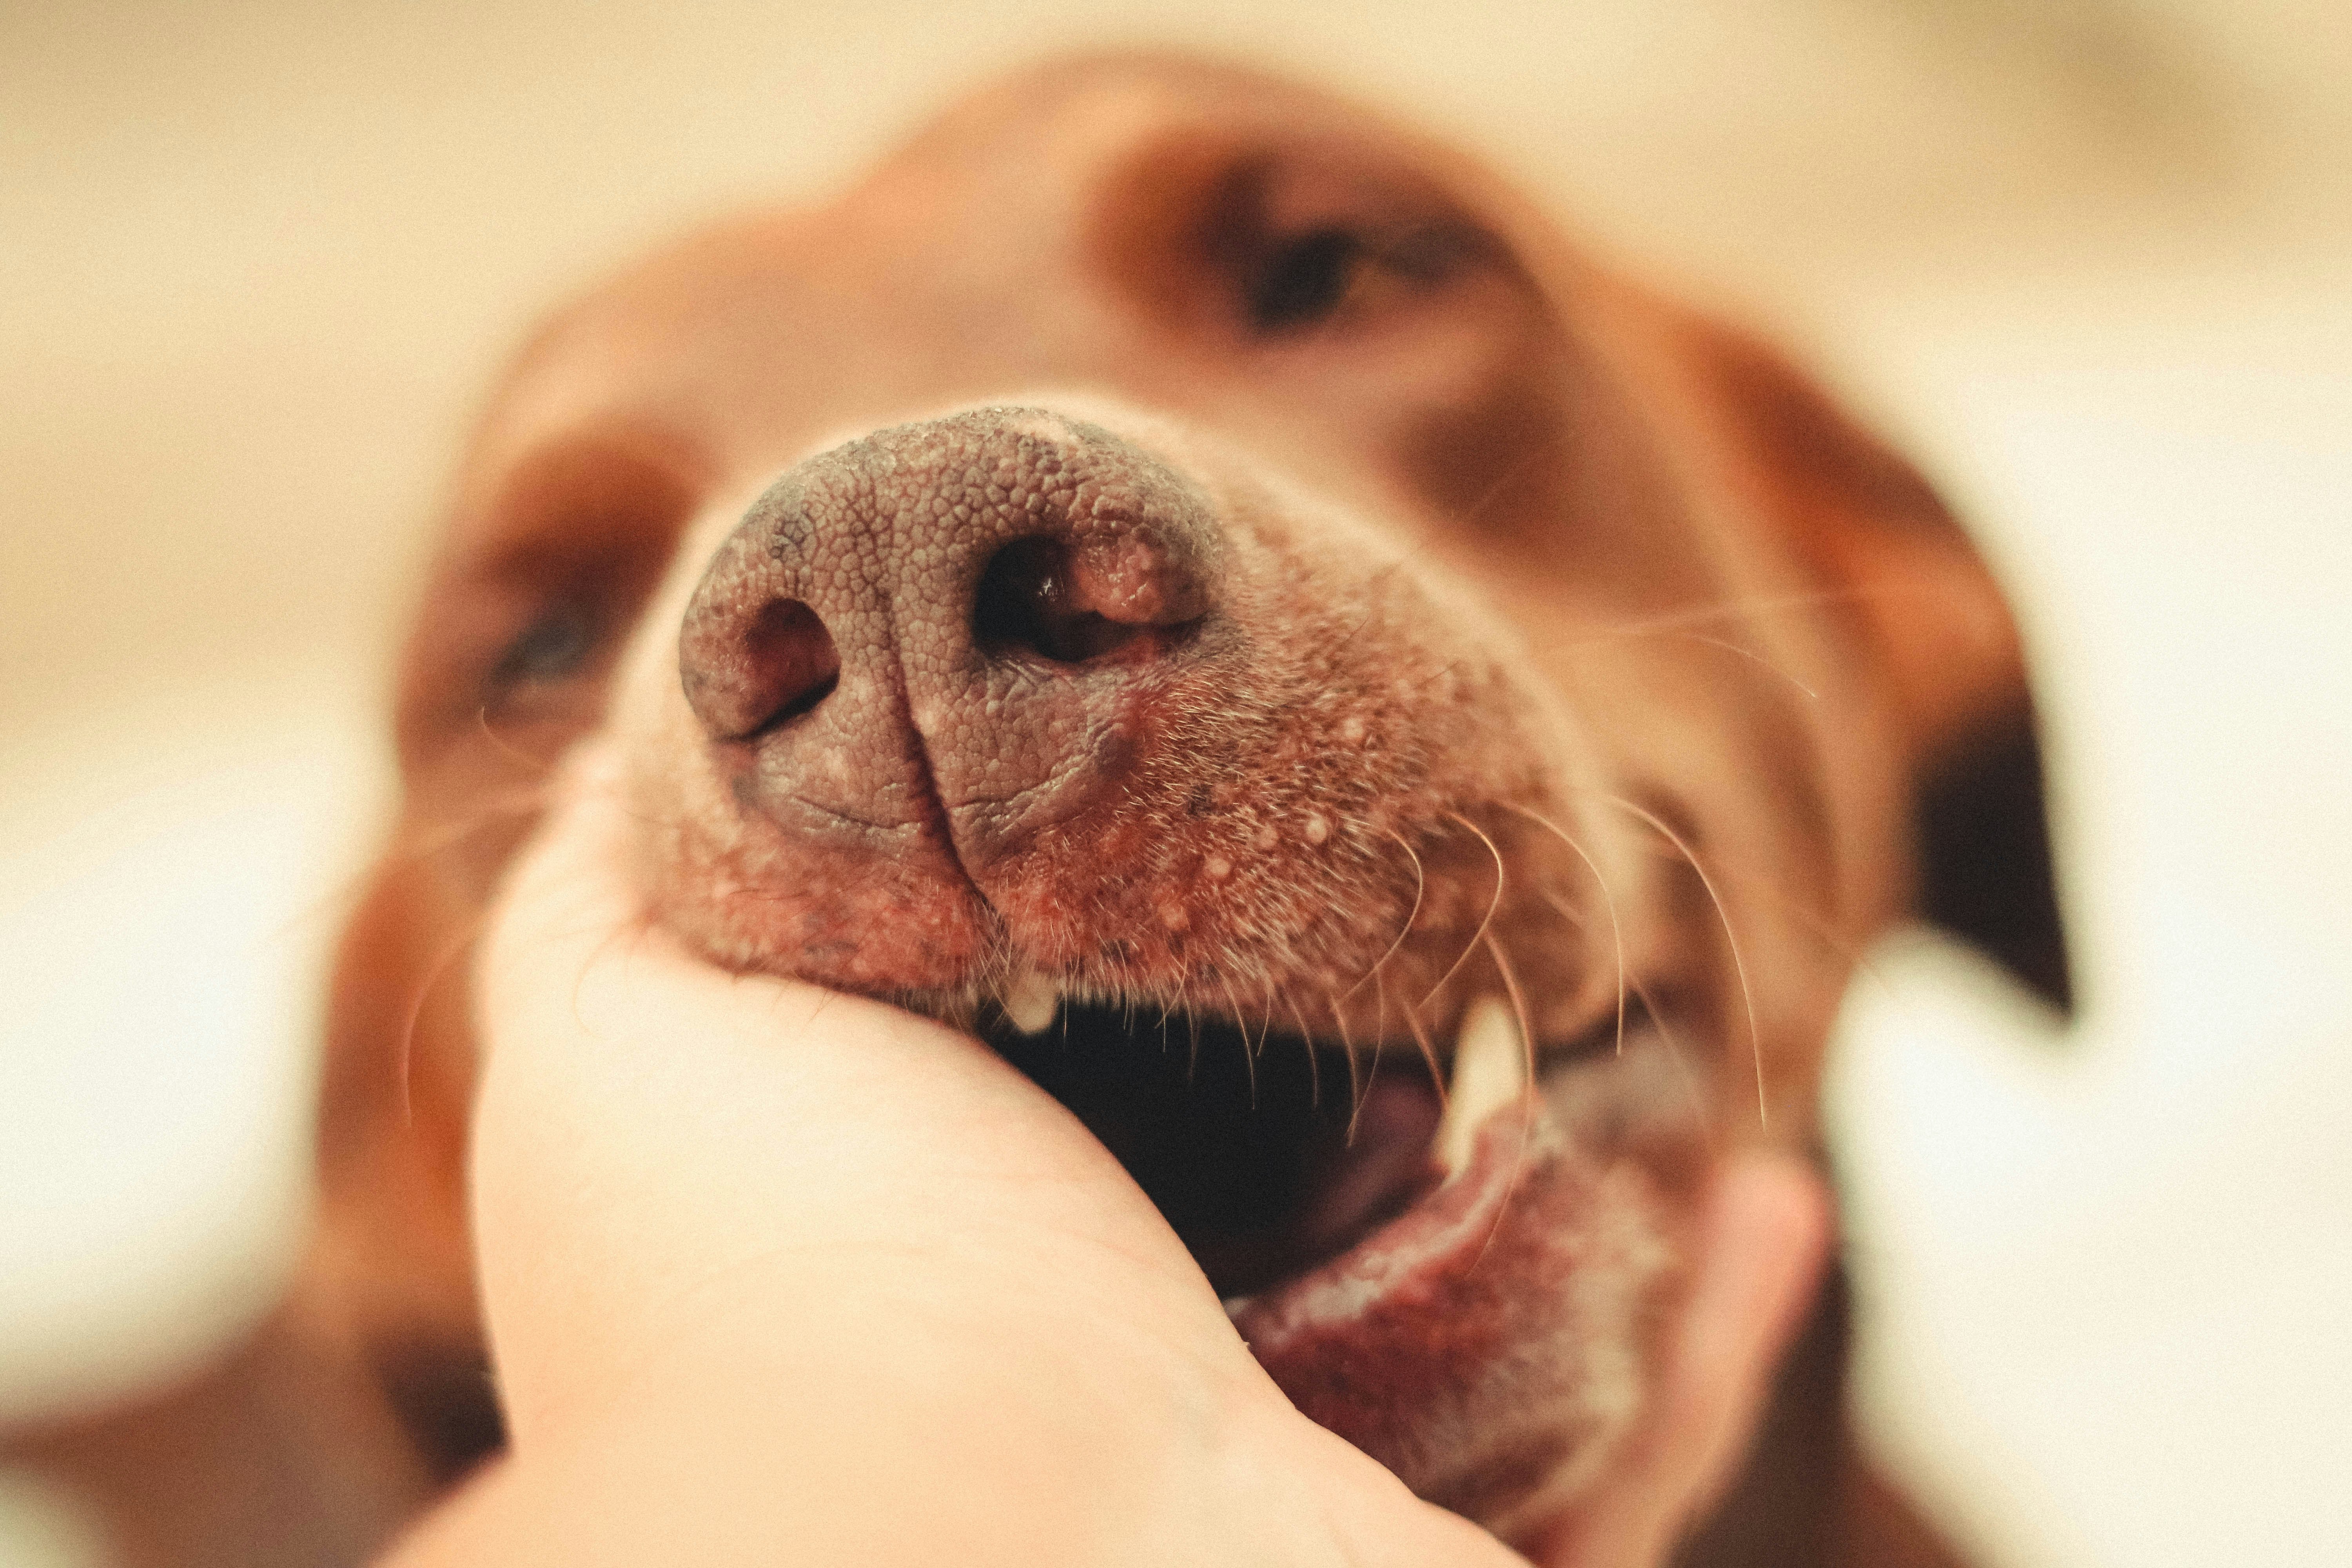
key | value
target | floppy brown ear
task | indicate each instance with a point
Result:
(1870, 524)
(393, 1263)
(1937, 627)
(1942, 631)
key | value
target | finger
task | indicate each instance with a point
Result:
(647, 1126)
(1761, 1244)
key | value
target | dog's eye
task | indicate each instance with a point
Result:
(554, 647)
(1306, 280)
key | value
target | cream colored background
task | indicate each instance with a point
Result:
(2089, 258)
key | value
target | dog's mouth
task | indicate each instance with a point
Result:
(1271, 1152)
(1449, 1254)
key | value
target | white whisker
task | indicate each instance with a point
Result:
(1314, 1066)
(1428, 1051)
(1607, 898)
(1679, 1058)
(1355, 1104)
(1731, 938)
(1494, 904)
(1420, 886)
(1249, 1057)
(1754, 657)
(1528, 1094)
(1724, 610)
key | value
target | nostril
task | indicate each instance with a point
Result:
(745, 676)
(1071, 604)
(1028, 600)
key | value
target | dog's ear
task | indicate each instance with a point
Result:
(1874, 530)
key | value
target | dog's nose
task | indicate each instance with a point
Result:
(962, 622)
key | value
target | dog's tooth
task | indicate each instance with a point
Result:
(1490, 1071)
(1029, 1001)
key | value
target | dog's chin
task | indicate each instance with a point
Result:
(1453, 1252)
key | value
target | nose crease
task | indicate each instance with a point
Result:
(972, 610)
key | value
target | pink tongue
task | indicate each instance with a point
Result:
(1452, 1345)
(1404, 1288)
(1387, 1168)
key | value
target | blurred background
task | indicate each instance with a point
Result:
(2090, 261)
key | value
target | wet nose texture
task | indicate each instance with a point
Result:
(934, 640)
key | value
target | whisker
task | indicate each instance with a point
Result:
(1731, 938)
(635, 931)
(1680, 1057)
(1815, 925)
(1375, 607)
(410, 846)
(1519, 1005)
(508, 748)
(1716, 612)
(1428, 1050)
(1568, 911)
(1314, 1066)
(1607, 898)
(488, 812)
(405, 1047)
(1754, 657)
(334, 902)
(1347, 1043)
(1371, 1076)
(1527, 1098)
(1422, 548)
(1503, 480)
(1249, 1057)
(1496, 903)
(1420, 886)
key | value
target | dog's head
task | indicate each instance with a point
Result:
(1402, 731)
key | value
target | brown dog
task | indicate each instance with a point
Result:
(1399, 730)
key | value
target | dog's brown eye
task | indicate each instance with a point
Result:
(554, 647)
(1306, 280)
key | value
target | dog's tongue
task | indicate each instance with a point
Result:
(1456, 1343)
(1425, 1298)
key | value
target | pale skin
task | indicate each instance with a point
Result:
(774, 1275)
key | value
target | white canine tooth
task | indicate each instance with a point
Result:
(1490, 1071)
(1029, 1001)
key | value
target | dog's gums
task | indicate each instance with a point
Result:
(1399, 731)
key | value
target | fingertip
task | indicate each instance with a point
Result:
(1771, 1222)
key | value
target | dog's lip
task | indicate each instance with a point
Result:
(1029, 1000)
(1030, 1009)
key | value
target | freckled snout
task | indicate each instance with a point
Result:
(1007, 693)
(946, 634)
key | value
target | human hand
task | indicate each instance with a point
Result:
(775, 1273)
